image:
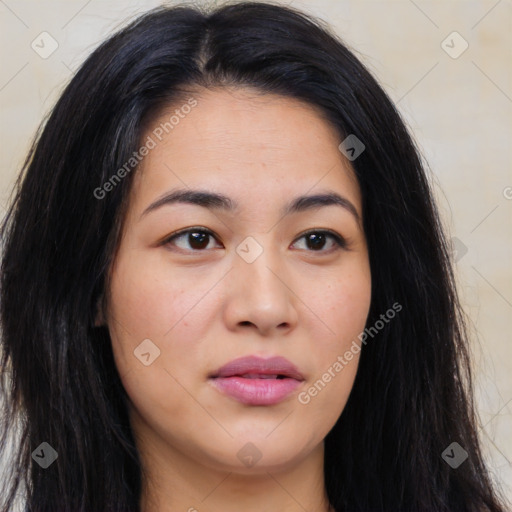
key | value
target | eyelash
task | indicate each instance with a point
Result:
(340, 242)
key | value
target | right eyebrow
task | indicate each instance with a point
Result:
(210, 200)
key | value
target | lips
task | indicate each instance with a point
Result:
(257, 381)
(256, 366)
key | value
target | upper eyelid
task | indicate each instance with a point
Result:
(185, 231)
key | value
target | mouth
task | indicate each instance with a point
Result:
(260, 376)
(257, 381)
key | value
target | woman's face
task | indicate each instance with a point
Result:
(250, 275)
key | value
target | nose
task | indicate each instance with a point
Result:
(259, 297)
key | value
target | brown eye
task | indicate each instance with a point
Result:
(192, 239)
(316, 241)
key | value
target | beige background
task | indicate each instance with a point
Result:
(460, 110)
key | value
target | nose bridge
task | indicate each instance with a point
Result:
(257, 265)
(259, 293)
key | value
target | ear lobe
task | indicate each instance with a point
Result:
(99, 317)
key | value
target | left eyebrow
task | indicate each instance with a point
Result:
(215, 201)
(305, 203)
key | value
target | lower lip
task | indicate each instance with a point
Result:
(256, 391)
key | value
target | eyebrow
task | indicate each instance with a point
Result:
(215, 201)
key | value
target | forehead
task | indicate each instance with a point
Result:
(241, 140)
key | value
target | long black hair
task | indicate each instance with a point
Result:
(412, 395)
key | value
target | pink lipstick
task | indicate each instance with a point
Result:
(256, 381)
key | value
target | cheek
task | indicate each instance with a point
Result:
(343, 303)
(147, 302)
(343, 308)
(174, 308)
(148, 298)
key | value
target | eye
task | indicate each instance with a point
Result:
(317, 240)
(199, 239)
(191, 239)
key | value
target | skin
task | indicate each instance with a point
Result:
(205, 307)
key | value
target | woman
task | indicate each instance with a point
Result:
(225, 285)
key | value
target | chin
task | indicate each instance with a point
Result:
(259, 454)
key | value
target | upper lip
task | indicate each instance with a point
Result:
(257, 365)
